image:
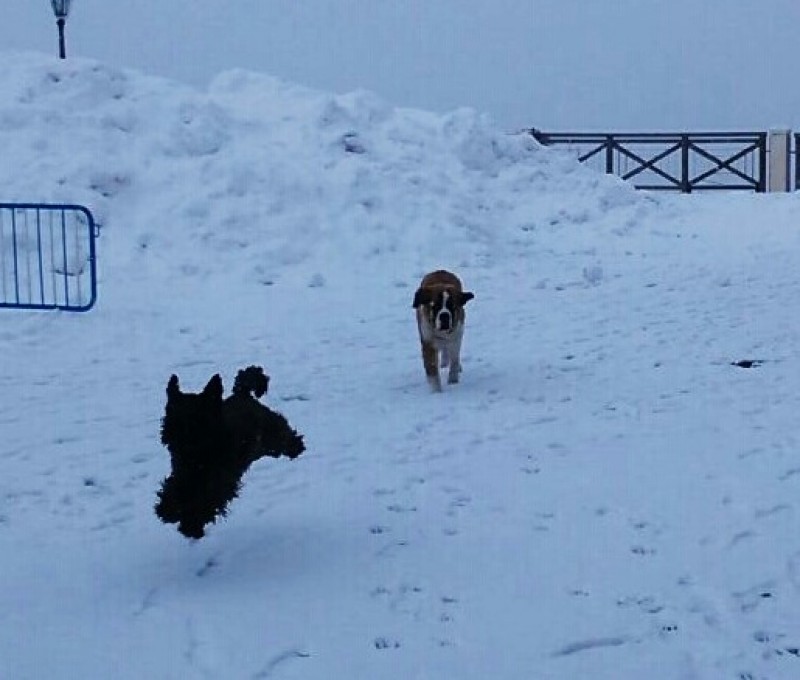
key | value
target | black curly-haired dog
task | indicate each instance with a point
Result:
(212, 442)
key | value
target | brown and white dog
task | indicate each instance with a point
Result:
(439, 302)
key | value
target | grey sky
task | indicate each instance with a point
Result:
(553, 64)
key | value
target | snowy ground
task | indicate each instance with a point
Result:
(604, 495)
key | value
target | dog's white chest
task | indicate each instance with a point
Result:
(440, 339)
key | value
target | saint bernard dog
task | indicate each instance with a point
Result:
(439, 302)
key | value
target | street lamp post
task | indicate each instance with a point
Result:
(61, 10)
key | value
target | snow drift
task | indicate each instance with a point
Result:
(604, 495)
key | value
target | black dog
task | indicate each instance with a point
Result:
(212, 442)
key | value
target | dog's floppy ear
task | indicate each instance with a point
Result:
(421, 297)
(172, 386)
(466, 296)
(214, 387)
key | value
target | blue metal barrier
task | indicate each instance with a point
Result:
(47, 257)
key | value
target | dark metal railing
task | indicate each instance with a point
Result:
(672, 162)
(796, 152)
(47, 257)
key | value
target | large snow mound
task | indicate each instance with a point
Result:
(266, 174)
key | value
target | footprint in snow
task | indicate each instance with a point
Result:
(382, 643)
(590, 644)
(397, 507)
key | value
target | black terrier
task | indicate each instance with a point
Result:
(212, 442)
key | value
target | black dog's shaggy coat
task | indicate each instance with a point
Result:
(212, 442)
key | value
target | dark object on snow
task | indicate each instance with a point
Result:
(748, 363)
(212, 442)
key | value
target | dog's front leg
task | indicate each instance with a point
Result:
(454, 352)
(431, 369)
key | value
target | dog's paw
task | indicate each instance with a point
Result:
(192, 530)
(169, 514)
(167, 507)
(296, 446)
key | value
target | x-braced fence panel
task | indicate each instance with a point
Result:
(47, 257)
(678, 162)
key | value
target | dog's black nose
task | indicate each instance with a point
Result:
(444, 321)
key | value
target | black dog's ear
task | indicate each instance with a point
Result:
(421, 297)
(214, 387)
(172, 386)
(260, 381)
(263, 386)
(466, 296)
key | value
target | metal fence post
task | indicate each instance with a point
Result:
(686, 184)
(796, 161)
(609, 154)
(762, 162)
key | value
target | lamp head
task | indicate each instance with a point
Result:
(61, 8)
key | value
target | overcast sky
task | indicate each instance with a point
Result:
(552, 64)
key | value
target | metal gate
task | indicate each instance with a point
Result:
(47, 257)
(668, 161)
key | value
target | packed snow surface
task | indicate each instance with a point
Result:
(611, 492)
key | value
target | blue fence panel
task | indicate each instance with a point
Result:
(47, 257)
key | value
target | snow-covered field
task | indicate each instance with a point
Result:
(604, 496)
